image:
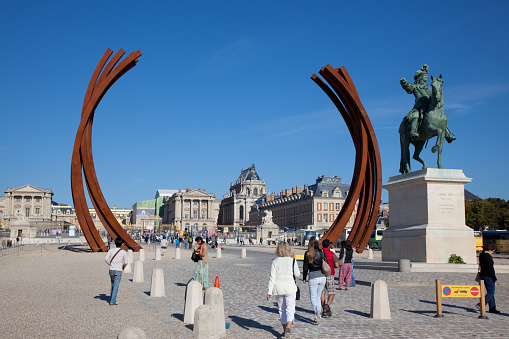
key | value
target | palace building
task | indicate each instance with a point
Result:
(312, 207)
(244, 193)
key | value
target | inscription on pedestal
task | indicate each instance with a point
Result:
(446, 205)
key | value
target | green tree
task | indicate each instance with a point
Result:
(491, 212)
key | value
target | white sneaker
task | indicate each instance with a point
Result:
(317, 317)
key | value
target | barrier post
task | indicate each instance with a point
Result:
(439, 298)
(482, 300)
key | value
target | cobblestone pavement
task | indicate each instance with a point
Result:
(244, 285)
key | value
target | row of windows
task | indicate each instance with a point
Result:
(37, 211)
(27, 199)
(328, 206)
(325, 217)
(195, 215)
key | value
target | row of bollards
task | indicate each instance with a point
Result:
(207, 318)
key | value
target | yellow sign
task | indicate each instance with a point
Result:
(464, 291)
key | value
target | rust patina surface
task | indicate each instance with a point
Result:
(366, 186)
(82, 163)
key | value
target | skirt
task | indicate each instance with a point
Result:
(201, 274)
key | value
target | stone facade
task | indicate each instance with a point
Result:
(33, 203)
(313, 207)
(244, 193)
(191, 209)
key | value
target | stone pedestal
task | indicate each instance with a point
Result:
(427, 217)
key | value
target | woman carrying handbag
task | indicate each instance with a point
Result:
(313, 259)
(283, 272)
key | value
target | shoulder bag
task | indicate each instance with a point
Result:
(297, 295)
(325, 265)
(478, 276)
(115, 256)
(342, 260)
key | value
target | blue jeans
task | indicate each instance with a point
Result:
(490, 291)
(115, 277)
(316, 286)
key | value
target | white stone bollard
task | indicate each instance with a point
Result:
(127, 269)
(138, 271)
(132, 333)
(177, 253)
(218, 255)
(205, 326)
(158, 254)
(214, 297)
(194, 299)
(404, 265)
(141, 257)
(370, 253)
(380, 308)
(243, 253)
(157, 286)
(130, 256)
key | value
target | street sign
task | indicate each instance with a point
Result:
(460, 291)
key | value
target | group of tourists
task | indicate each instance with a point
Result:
(319, 270)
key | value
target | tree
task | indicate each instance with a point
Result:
(491, 212)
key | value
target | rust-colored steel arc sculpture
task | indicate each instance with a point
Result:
(366, 186)
(104, 76)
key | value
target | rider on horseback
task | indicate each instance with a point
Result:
(422, 92)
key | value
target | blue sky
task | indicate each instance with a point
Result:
(223, 84)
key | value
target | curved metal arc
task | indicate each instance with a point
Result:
(82, 154)
(366, 185)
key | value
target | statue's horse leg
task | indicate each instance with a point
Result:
(404, 142)
(440, 143)
(419, 145)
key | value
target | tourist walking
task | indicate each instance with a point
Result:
(330, 289)
(201, 273)
(313, 267)
(117, 259)
(164, 245)
(487, 273)
(345, 271)
(283, 272)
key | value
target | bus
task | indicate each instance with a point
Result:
(303, 236)
(499, 238)
(375, 241)
(478, 241)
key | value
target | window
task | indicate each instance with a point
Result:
(27, 199)
(186, 215)
(319, 206)
(68, 212)
(195, 203)
(27, 212)
(37, 211)
(18, 199)
(337, 195)
(255, 191)
(325, 194)
(195, 214)
(325, 206)
(203, 214)
(248, 191)
(338, 206)
(319, 217)
(325, 217)
(241, 212)
(204, 203)
(37, 199)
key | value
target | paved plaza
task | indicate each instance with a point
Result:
(50, 291)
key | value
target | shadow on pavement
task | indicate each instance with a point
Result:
(103, 296)
(468, 309)
(362, 314)
(178, 316)
(180, 284)
(76, 248)
(249, 323)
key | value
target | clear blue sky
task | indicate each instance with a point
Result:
(223, 84)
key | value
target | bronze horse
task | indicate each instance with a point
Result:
(433, 124)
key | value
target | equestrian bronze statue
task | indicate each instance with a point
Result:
(425, 120)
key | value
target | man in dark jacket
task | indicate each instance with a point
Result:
(487, 274)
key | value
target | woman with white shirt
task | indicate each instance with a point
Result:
(283, 272)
